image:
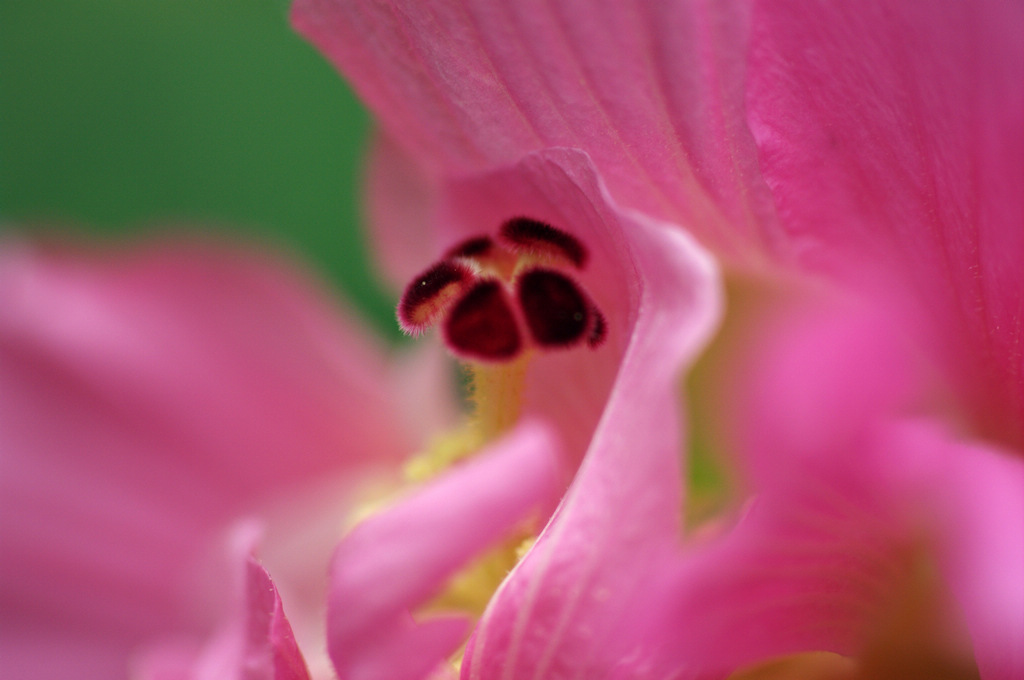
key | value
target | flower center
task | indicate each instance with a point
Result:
(496, 298)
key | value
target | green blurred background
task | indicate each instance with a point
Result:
(120, 117)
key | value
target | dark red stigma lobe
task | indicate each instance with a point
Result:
(557, 313)
(481, 324)
(431, 293)
(527, 235)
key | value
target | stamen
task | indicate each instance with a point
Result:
(557, 313)
(481, 325)
(430, 294)
(524, 235)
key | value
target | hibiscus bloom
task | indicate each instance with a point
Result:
(616, 150)
(871, 149)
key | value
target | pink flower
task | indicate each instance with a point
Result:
(870, 148)
(153, 403)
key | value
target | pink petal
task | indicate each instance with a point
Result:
(271, 650)
(843, 491)
(620, 519)
(818, 558)
(653, 92)
(805, 569)
(974, 498)
(149, 396)
(256, 643)
(893, 134)
(398, 559)
(31, 650)
(813, 562)
(816, 377)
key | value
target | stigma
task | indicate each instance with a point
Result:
(495, 298)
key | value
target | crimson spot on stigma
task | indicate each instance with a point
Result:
(486, 290)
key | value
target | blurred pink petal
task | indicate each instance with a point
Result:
(845, 487)
(842, 509)
(256, 644)
(819, 560)
(819, 373)
(396, 560)
(973, 498)
(400, 198)
(149, 397)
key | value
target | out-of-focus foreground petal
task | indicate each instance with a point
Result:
(396, 560)
(903, 560)
(855, 507)
(891, 134)
(149, 396)
(652, 91)
(562, 609)
(256, 643)
(401, 197)
(971, 496)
